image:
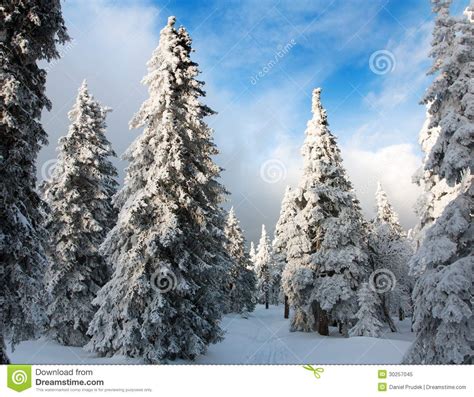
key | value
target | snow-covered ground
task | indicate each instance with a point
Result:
(263, 338)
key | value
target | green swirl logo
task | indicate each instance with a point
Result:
(19, 377)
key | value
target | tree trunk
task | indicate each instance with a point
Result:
(3, 351)
(345, 329)
(287, 308)
(267, 294)
(386, 315)
(340, 328)
(315, 313)
(401, 315)
(323, 326)
(322, 320)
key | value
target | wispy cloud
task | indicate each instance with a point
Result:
(375, 117)
(111, 44)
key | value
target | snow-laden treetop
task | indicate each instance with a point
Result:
(385, 212)
(321, 155)
(319, 113)
(469, 12)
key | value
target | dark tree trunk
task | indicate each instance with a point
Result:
(321, 319)
(3, 352)
(401, 315)
(323, 324)
(287, 308)
(267, 293)
(315, 312)
(386, 315)
(340, 328)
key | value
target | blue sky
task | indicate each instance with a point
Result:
(328, 44)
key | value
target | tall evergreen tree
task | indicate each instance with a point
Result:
(389, 252)
(252, 253)
(263, 265)
(443, 312)
(447, 133)
(242, 278)
(164, 298)
(298, 277)
(451, 95)
(326, 258)
(80, 214)
(384, 210)
(280, 242)
(31, 31)
(436, 193)
(442, 294)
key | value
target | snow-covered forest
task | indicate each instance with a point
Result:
(157, 270)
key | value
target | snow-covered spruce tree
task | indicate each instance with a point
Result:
(297, 277)
(385, 213)
(326, 258)
(164, 300)
(31, 31)
(469, 12)
(389, 252)
(80, 214)
(446, 137)
(242, 278)
(263, 265)
(436, 193)
(279, 245)
(367, 323)
(442, 295)
(252, 253)
(451, 95)
(443, 292)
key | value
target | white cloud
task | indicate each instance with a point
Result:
(112, 43)
(393, 166)
(110, 46)
(258, 202)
